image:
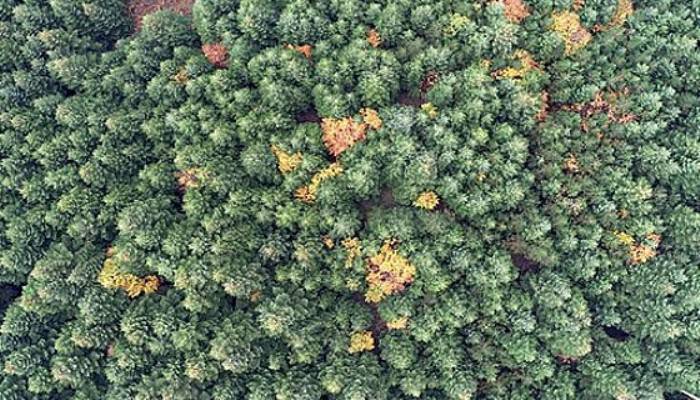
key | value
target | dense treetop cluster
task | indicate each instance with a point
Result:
(348, 199)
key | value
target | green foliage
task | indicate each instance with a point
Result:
(560, 262)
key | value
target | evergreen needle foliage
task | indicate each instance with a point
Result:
(348, 199)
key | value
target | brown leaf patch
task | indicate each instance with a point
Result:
(139, 8)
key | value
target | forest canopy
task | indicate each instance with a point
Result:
(351, 200)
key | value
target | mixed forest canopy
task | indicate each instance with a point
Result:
(349, 199)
